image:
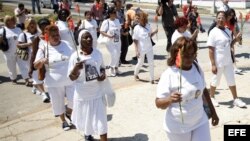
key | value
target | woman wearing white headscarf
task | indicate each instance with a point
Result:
(86, 68)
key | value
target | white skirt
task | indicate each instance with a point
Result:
(90, 116)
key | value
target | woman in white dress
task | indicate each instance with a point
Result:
(12, 33)
(55, 54)
(87, 69)
(91, 25)
(143, 45)
(111, 28)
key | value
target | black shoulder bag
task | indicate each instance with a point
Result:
(4, 46)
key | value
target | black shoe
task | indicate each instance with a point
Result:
(125, 62)
(89, 138)
(134, 58)
(45, 98)
(202, 30)
(65, 126)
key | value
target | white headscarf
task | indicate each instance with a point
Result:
(83, 31)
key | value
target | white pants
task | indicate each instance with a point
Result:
(57, 95)
(228, 72)
(201, 133)
(23, 65)
(115, 52)
(150, 57)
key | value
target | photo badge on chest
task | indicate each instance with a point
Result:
(91, 72)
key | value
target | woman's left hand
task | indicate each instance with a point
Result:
(238, 36)
(215, 119)
(102, 75)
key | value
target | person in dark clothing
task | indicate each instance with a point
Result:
(37, 3)
(55, 6)
(124, 31)
(126, 42)
(167, 11)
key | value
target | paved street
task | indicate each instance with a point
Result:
(134, 117)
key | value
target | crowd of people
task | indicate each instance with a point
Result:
(63, 61)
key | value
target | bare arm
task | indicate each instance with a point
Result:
(215, 118)
(136, 48)
(154, 32)
(74, 74)
(195, 34)
(212, 59)
(39, 64)
(23, 45)
(163, 103)
(20, 13)
(160, 11)
(105, 34)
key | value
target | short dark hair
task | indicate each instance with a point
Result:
(51, 29)
(128, 6)
(221, 12)
(111, 10)
(43, 21)
(20, 5)
(62, 11)
(87, 12)
(179, 22)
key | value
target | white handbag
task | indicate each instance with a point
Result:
(108, 93)
(103, 40)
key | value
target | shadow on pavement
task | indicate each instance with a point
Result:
(109, 117)
(4, 79)
(245, 55)
(137, 137)
(159, 57)
(230, 103)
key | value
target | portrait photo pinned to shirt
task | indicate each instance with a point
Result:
(91, 72)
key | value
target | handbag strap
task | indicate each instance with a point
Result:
(225, 32)
(144, 27)
(4, 33)
(197, 67)
(108, 25)
(25, 37)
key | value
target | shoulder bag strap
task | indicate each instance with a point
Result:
(4, 33)
(25, 37)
